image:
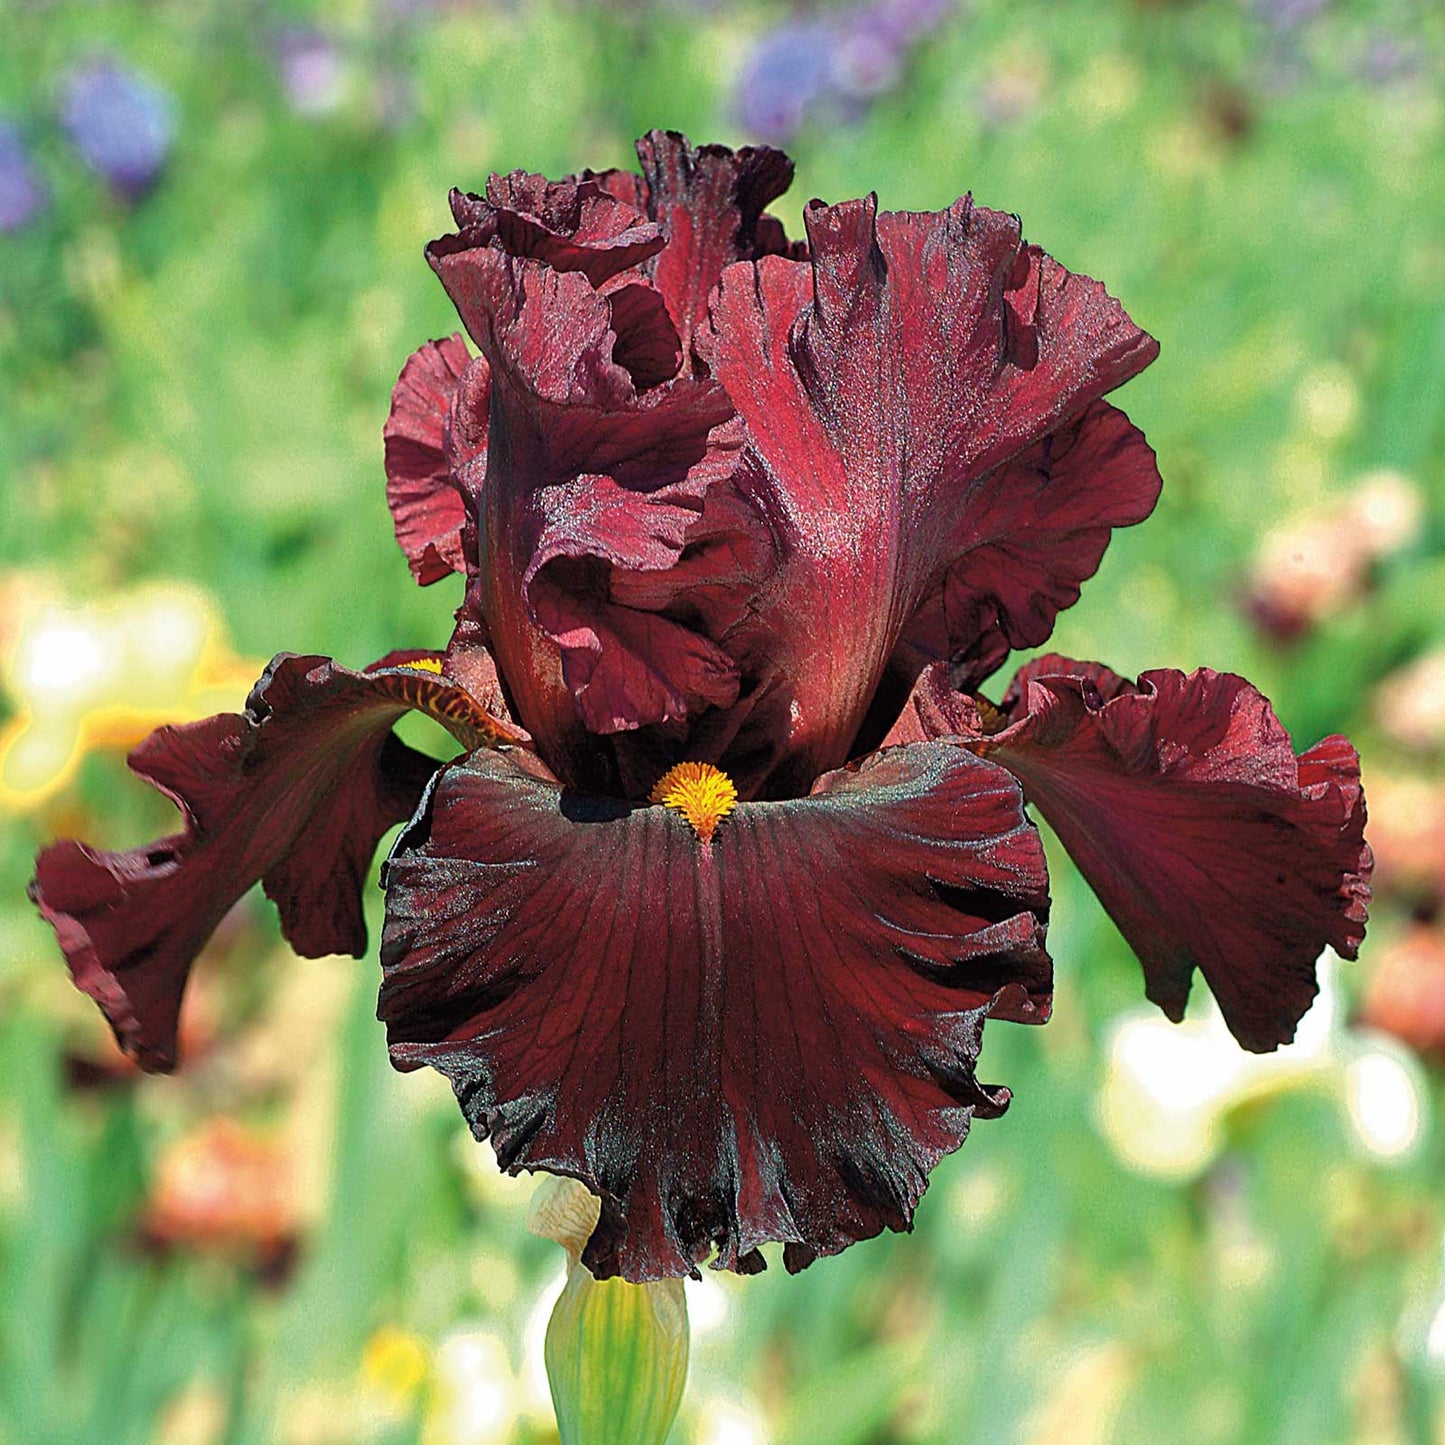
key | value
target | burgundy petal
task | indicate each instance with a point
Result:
(572, 226)
(295, 792)
(767, 1036)
(1038, 527)
(426, 507)
(901, 402)
(590, 486)
(646, 347)
(709, 201)
(624, 185)
(1182, 802)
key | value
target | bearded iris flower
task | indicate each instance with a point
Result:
(734, 863)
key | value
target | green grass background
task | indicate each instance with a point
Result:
(193, 387)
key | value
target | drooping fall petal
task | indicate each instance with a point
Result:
(1211, 845)
(294, 792)
(919, 410)
(768, 1035)
(426, 505)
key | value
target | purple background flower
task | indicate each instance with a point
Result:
(22, 193)
(1288, 14)
(313, 70)
(122, 124)
(830, 67)
(784, 77)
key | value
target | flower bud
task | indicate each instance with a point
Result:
(616, 1352)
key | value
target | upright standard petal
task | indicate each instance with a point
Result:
(570, 226)
(1037, 530)
(605, 576)
(709, 202)
(295, 792)
(426, 503)
(922, 414)
(763, 1032)
(1211, 845)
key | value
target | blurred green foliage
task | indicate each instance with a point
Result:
(192, 386)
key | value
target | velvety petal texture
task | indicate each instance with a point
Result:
(426, 505)
(919, 416)
(1038, 527)
(571, 227)
(611, 580)
(1181, 799)
(770, 1035)
(294, 793)
(709, 202)
(589, 495)
(906, 458)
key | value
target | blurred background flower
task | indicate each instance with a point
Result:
(1411, 704)
(828, 66)
(1289, 14)
(226, 1188)
(787, 75)
(1169, 1092)
(122, 124)
(1320, 562)
(314, 70)
(101, 675)
(22, 193)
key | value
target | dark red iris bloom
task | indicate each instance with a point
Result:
(778, 508)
